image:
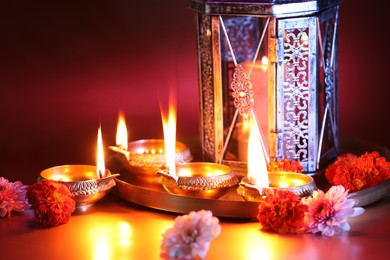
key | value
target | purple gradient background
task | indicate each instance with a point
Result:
(67, 67)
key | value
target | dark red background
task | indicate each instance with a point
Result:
(67, 67)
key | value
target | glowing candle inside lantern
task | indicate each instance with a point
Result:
(259, 80)
(101, 168)
(264, 63)
(121, 133)
(257, 165)
(169, 127)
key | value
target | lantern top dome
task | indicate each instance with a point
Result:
(278, 8)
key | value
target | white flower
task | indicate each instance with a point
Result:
(190, 236)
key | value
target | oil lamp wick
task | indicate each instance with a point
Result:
(120, 149)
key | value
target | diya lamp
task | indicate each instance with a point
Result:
(142, 158)
(192, 179)
(259, 182)
(198, 179)
(88, 183)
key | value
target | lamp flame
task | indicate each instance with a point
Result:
(264, 63)
(169, 127)
(100, 166)
(257, 165)
(121, 133)
(264, 60)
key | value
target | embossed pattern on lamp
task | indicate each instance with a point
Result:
(259, 182)
(142, 158)
(196, 179)
(88, 183)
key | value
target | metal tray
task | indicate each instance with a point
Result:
(233, 205)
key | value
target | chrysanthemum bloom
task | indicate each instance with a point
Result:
(12, 197)
(53, 203)
(190, 236)
(329, 212)
(283, 212)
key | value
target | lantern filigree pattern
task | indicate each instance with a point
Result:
(240, 30)
(293, 97)
(296, 94)
(242, 91)
(205, 43)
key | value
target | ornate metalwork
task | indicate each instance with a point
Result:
(328, 140)
(328, 70)
(242, 91)
(206, 64)
(240, 30)
(301, 123)
(296, 94)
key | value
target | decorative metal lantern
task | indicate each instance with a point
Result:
(275, 61)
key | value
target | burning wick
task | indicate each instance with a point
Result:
(257, 165)
(121, 133)
(121, 140)
(259, 182)
(101, 168)
(169, 127)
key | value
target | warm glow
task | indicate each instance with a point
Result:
(102, 248)
(264, 64)
(124, 234)
(185, 173)
(264, 60)
(110, 237)
(304, 38)
(121, 133)
(169, 125)
(101, 168)
(257, 165)
(60, 178)
(282, 184)
(257, 246)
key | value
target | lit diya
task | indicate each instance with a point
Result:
(194, 179)
(301, 184)
(144, 157)
(88, 183)
(199, 179)
(259, 182)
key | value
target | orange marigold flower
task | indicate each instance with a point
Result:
(53, 203)
(286, 165)
(283, 212)
(358, 172)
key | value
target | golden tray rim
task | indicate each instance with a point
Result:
(232, 205)
(165, 201)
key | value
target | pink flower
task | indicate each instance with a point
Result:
(191, 235)
(328, 212)
(12, 197)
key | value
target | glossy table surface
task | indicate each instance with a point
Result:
(117, 229)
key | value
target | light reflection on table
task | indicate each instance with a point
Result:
(117, 229)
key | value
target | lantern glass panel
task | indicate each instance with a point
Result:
(242, 44)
